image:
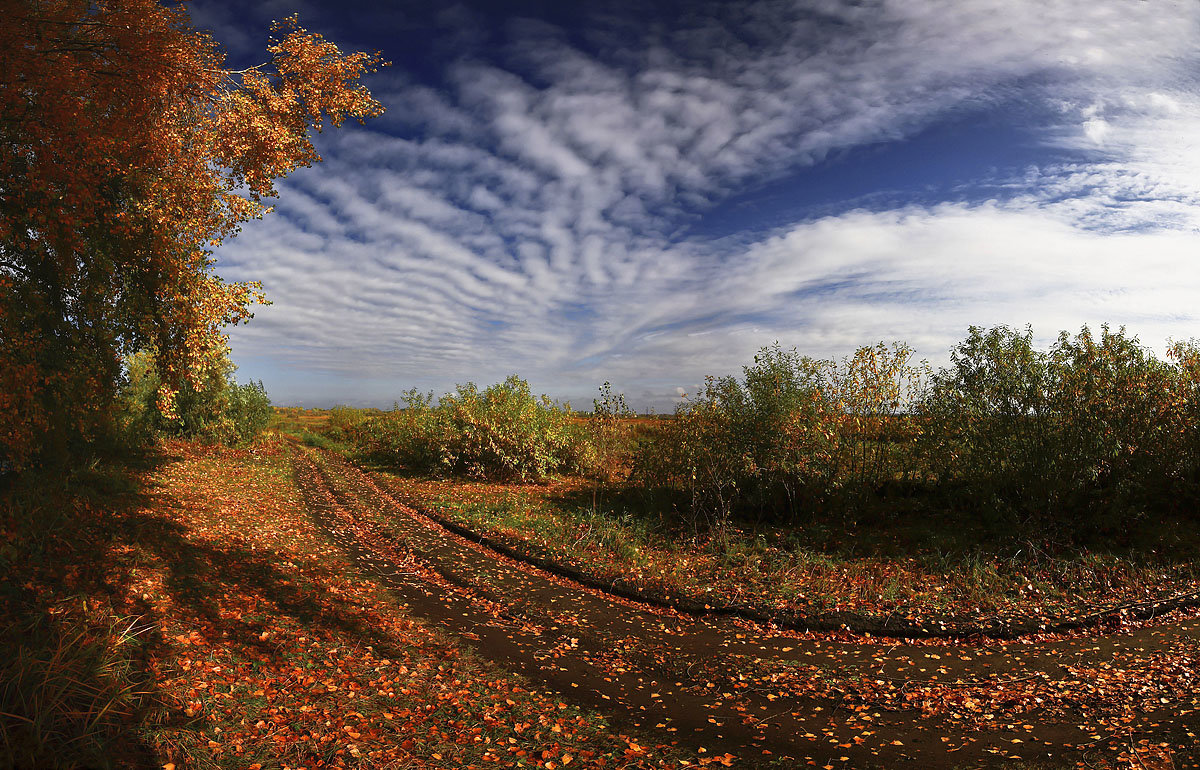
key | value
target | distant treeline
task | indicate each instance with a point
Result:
(1090, 435)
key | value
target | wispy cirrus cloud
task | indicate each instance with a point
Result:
(533, 208)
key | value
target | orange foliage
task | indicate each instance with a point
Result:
(127, 152)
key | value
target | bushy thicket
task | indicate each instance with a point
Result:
(218, 409)
(794, 433)
(502, 432)
(1095, 432)
(1086, 437)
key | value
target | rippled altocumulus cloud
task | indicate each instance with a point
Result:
(532, 222)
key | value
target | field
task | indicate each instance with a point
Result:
(1020, 505)
(921, 575)
(277, 607)
(847, 559)
(789, 571)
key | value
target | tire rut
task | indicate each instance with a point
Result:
(720, 683)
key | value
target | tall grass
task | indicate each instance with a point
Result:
(68, 693)
(72, 678)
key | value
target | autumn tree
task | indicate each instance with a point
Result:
(128, 151)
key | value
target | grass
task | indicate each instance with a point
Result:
(309, 426)
(67, 690)
(70, 678)
(292, 419)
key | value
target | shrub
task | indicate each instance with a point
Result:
(502, 433)
(413, 437)
(795, 435)
(345, 418)
(697, 454)
(611, 436)
(247, 412)
(873, 393)
(987, 420)
(1083, 438)
(1183, 441)
(217, 409)
(1087, 436)
(1116, 407)
(505, 433)
(784, 422)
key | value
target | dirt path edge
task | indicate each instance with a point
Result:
(856, 623)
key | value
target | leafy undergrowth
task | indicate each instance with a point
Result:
(916, 571)
(198, 618)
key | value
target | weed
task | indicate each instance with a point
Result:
(68, 692)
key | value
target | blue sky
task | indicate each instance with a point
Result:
(581, 192)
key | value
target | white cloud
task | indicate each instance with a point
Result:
(531, 224)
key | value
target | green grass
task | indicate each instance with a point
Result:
(71, 687)
(68, 691)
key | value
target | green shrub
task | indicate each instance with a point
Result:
(345, 418)
(413, 437)
(698, 455)
(1087, 436)
(502, 433)
(987, 420)
(505, 433)
(611, 437)
(247, 412)
(1083, 438)
(874, 438)
(795, 435)
(217, 409)
(1116, 408)
(783, 422)
(1183, 444)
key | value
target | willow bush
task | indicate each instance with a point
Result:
(501, 433)
(873, 434)
(987, 420)
(215, 409)
(1184, 439)
(611, 435)
(1091, 435)
(1086, 437)
(1116, 408)
(795, 434)
(504, 432)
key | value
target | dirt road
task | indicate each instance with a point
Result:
(731, 687)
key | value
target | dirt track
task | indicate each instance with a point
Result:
(731, 686)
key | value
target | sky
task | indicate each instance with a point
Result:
(648, 192)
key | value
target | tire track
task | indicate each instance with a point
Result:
(718, 682)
